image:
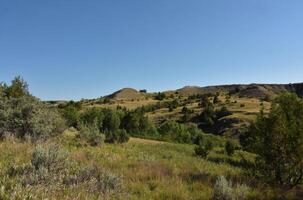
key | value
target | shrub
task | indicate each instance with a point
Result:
(229, 148)
(203, 149)
(71, 115)
(172, 104)
(48, 167)
(181, 133)
(198, 139)
(28, 117)
(224, 190)
(49, 171)
(118, 136)
(160, 96)
(51, 158)
(208, 113)
(186, 114)
(23, 115)
(171, 130)
(91, 133)
(98, 180)
(216, 98)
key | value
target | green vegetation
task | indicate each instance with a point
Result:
(224, 189)
(229, 148)
(277, 139)
(25, 116)
(203, 149)
(160, 96)
(81, 150)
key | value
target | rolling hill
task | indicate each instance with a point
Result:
(243, 101)
(246, 90)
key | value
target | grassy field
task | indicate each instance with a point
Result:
(147, 169)
(129, 104)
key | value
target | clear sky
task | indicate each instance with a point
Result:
(73, 49)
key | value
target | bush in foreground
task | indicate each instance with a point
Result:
(28, 117)
(50, 170)
(225, 190)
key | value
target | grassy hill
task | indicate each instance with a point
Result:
(243, 104)
(126, 94)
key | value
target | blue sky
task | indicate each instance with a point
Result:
(84, 49)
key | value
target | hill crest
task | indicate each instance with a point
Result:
(126, 94)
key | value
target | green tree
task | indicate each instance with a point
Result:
(216, 98)
(91, 116)
(131, 122)
(205, 102)
(229, 148)
(118, 136)
(203, 149)
(160, 96)
(208, 114)
(17, 89)
(71, 115)
(277, 139)
(111, 121)
(3, 88)
(186, 114)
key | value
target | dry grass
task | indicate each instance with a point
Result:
(149, 170)
(129, 104)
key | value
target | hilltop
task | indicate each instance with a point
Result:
(253, 90)
(126, 94)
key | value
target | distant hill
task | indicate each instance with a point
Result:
(126, 94)
(249, 90)
(260, 91)
(244, 101)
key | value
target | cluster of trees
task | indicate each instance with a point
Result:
(121, 122)
(170, 104)
(114, 123)
(277, 140)
(209, 114)
(182, 133)
(24, 116)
